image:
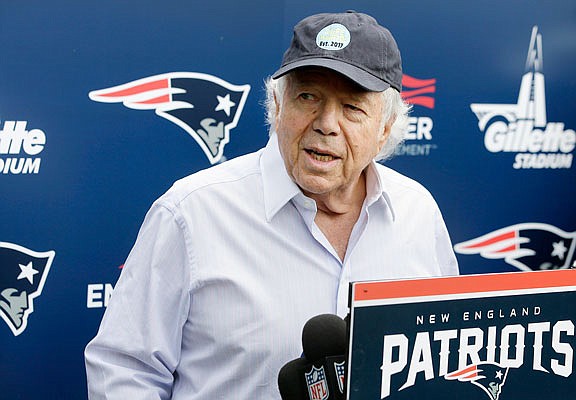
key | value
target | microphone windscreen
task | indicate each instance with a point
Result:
(290, 380)
(323, 336)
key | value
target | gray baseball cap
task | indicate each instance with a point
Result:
(351, 43)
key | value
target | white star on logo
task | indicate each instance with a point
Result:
(27, 272)
(499, 374)
(559, 249)
(224, 104)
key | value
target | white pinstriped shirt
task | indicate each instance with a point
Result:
(229, 265)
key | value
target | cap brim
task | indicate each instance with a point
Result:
(358, 75)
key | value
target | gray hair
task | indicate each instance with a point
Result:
(393, 106)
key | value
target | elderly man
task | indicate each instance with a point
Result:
(232, 261)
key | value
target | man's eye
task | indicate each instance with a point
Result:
(352, 107)
(306, 96)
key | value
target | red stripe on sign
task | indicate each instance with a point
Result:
(412, 82)
(137, 89)
(406, 94)
(495, 239)
(507, 249)
(464, 284)
(157, 100)
(469, 370)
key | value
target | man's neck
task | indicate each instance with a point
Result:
(344, 201)
(338, 212)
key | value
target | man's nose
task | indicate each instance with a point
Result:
(327, 121)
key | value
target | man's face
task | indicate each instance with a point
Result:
(329, 130)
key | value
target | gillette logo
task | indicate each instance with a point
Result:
(522, 128)
(16, 140)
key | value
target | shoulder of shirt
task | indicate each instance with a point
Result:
(395, 182)
(233, 170)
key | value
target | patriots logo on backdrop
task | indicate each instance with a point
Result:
(489, 377)
(205, 106)
(23, 273)
(529, 246)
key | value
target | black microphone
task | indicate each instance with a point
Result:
(320, 372)
(323, 336)
(291, 380)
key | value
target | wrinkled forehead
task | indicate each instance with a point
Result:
(334, 84)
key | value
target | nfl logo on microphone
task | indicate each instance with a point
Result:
(340, 369)
(317, 384)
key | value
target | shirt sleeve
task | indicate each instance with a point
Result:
(444, 251)
(138, 345)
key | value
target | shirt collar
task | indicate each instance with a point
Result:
(279, 188)
(376, 189)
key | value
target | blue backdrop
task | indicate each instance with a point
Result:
(78, 171)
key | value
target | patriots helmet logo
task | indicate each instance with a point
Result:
(23, 273)
(488, 376)
(529, 246)
(205, 106)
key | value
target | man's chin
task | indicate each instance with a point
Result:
(316, 185)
